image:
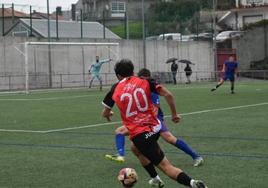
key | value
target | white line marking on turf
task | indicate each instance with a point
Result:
(119, 122)
(82, 127)
(21, 131)
(49, 98)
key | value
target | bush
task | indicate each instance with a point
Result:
(259, 65)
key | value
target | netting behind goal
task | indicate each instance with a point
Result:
(62, 65)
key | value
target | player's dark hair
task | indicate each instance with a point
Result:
(124, 68)
(144, 72)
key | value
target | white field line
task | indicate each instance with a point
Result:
(119, 122)
(222, 109)
(49, 98)
(21, 131)
(82, 127)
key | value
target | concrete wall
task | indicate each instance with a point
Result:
(69, 64)
(251, 47)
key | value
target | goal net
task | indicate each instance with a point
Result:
(65, 65)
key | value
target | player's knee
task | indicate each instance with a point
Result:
(134, 150)
(169, 138)
(121, 130)
(117, 131)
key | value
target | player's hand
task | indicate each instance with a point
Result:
(176, 118)
(109, 116)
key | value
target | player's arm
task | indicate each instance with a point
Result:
(108, 104)
(107, 113)
(236, 69)
(105, 61)
(89, 70)
(223, 67)
(171, 103)
(162, 91)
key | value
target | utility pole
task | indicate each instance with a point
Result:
(214, 45)
(49, 48)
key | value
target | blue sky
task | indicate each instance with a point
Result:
(39, 5)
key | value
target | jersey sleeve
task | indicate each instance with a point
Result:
(104, 61)
(108, 99)
(154, 86)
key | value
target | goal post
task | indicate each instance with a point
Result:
(65, 64)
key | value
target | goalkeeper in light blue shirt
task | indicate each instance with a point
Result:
(95, 68)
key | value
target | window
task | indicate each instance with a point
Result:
(118, 6)
(256, 2)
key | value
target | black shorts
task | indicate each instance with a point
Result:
(148, 146)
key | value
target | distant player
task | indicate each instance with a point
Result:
(95, 68)
(229, 70)
(132, 95)
(164, 132)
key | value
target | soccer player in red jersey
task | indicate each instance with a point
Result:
(132, 96)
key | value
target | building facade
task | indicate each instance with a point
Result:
(111, 9)
(247, 3)
(238, 18)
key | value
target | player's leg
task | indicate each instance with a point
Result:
(91, 81)
(155, 180)
(182, 145)
(178, 175)
(219, 83)
(120, 134)
(148, 146)
(100, 80)
(232, 80)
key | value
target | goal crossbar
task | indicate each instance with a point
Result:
(73, 43)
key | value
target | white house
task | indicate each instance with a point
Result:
(251, 2)
(248, 11)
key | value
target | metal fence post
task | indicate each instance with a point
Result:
(9, 82)
(60, 80)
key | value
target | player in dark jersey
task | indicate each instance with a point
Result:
(132, 96)
(229, 70)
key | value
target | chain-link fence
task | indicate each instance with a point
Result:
(41, 81)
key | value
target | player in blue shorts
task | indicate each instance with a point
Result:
(229, 71)
(164, 132)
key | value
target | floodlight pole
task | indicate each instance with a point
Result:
(49, 50)
(214, 45)
(143, 35)
(3, 20)
(26, 68)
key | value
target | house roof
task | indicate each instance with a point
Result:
(69, 29)
(207, 16)
(8, 13)
(42, 15)
(240, 10)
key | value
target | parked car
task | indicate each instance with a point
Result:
(205, 36)
(152, 38)
(186, 38)
(227, 35)
(170, 36)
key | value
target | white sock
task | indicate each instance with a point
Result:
(157, 178)
(191, 182)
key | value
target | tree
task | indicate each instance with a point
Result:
(172, 16)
